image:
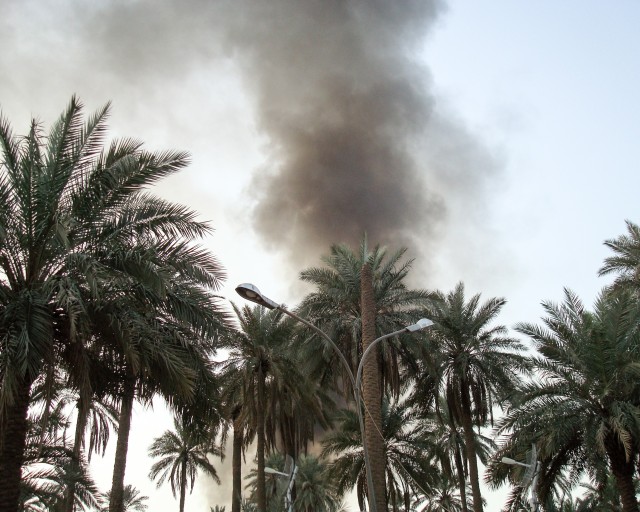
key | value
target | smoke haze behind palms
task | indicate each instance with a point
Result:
(352, 136)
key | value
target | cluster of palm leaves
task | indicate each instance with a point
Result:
(105, 296)
(575, 396)
(582, 408)
(106, 299)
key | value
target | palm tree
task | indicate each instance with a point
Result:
(315, 491)
(265, 371)
(626, 259)
(73, 220)
(50, 466)
(133, 500)
(358, 297)
(183, 453)
(315, 488)
(473, 365)
(448, 443)
(407, 467)
(335, 307)
(583, 411)
(444, 496)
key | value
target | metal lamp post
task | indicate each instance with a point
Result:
(534, 467)
(251, 293)
(288, 503)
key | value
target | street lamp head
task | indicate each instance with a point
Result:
(421, 324)
(251, 293)
(507, 460)
(272, 471)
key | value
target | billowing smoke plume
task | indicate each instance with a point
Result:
(354, 142)
(354, 138)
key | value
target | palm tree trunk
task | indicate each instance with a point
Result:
(261, 484)
(236, 464)
(371, 391)
(13, 440)
(183, 483)
(623, 470)
(116, 504)
(81, 423)
(470, 447)
(462, 483)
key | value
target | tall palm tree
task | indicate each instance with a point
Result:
(74, 220)
(360, 296)
(183, 452)
(408, 465)
(263, 369)
(583, 410)
(474, 366)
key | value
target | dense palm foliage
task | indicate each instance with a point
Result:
(408, 467)
(269, 382)
(357, 297)
(315, 491)
(474, 365)
(583, 410)
(335, 307)
(91, 266)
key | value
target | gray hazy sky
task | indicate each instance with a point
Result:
(496, 140)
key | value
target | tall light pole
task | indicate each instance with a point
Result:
(251, 293)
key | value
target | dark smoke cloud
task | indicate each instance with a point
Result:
(355, 139)
(355, 142)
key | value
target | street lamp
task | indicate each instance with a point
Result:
(533, 468)
(287, 499)
(251, 293)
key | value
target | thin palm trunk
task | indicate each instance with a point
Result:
(236, 498)
(81, 423)
(116, 504)
(623, 470)
(183, 483)
(372, 392)
(261, 484)
(470, 447)
(13, 438)
(462, 483)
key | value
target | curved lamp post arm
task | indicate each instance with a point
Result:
(252, 293)
(419, 325)
(345, 363)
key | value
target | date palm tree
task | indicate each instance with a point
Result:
(133, 500)
(74, 220)
(262, 368)
(474, 365)
(625, 261)
(358, 297)
(183, 452)
(583, 410)
(316, 491)
(408, 461)
(335, 307)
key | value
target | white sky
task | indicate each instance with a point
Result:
(548, 88)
